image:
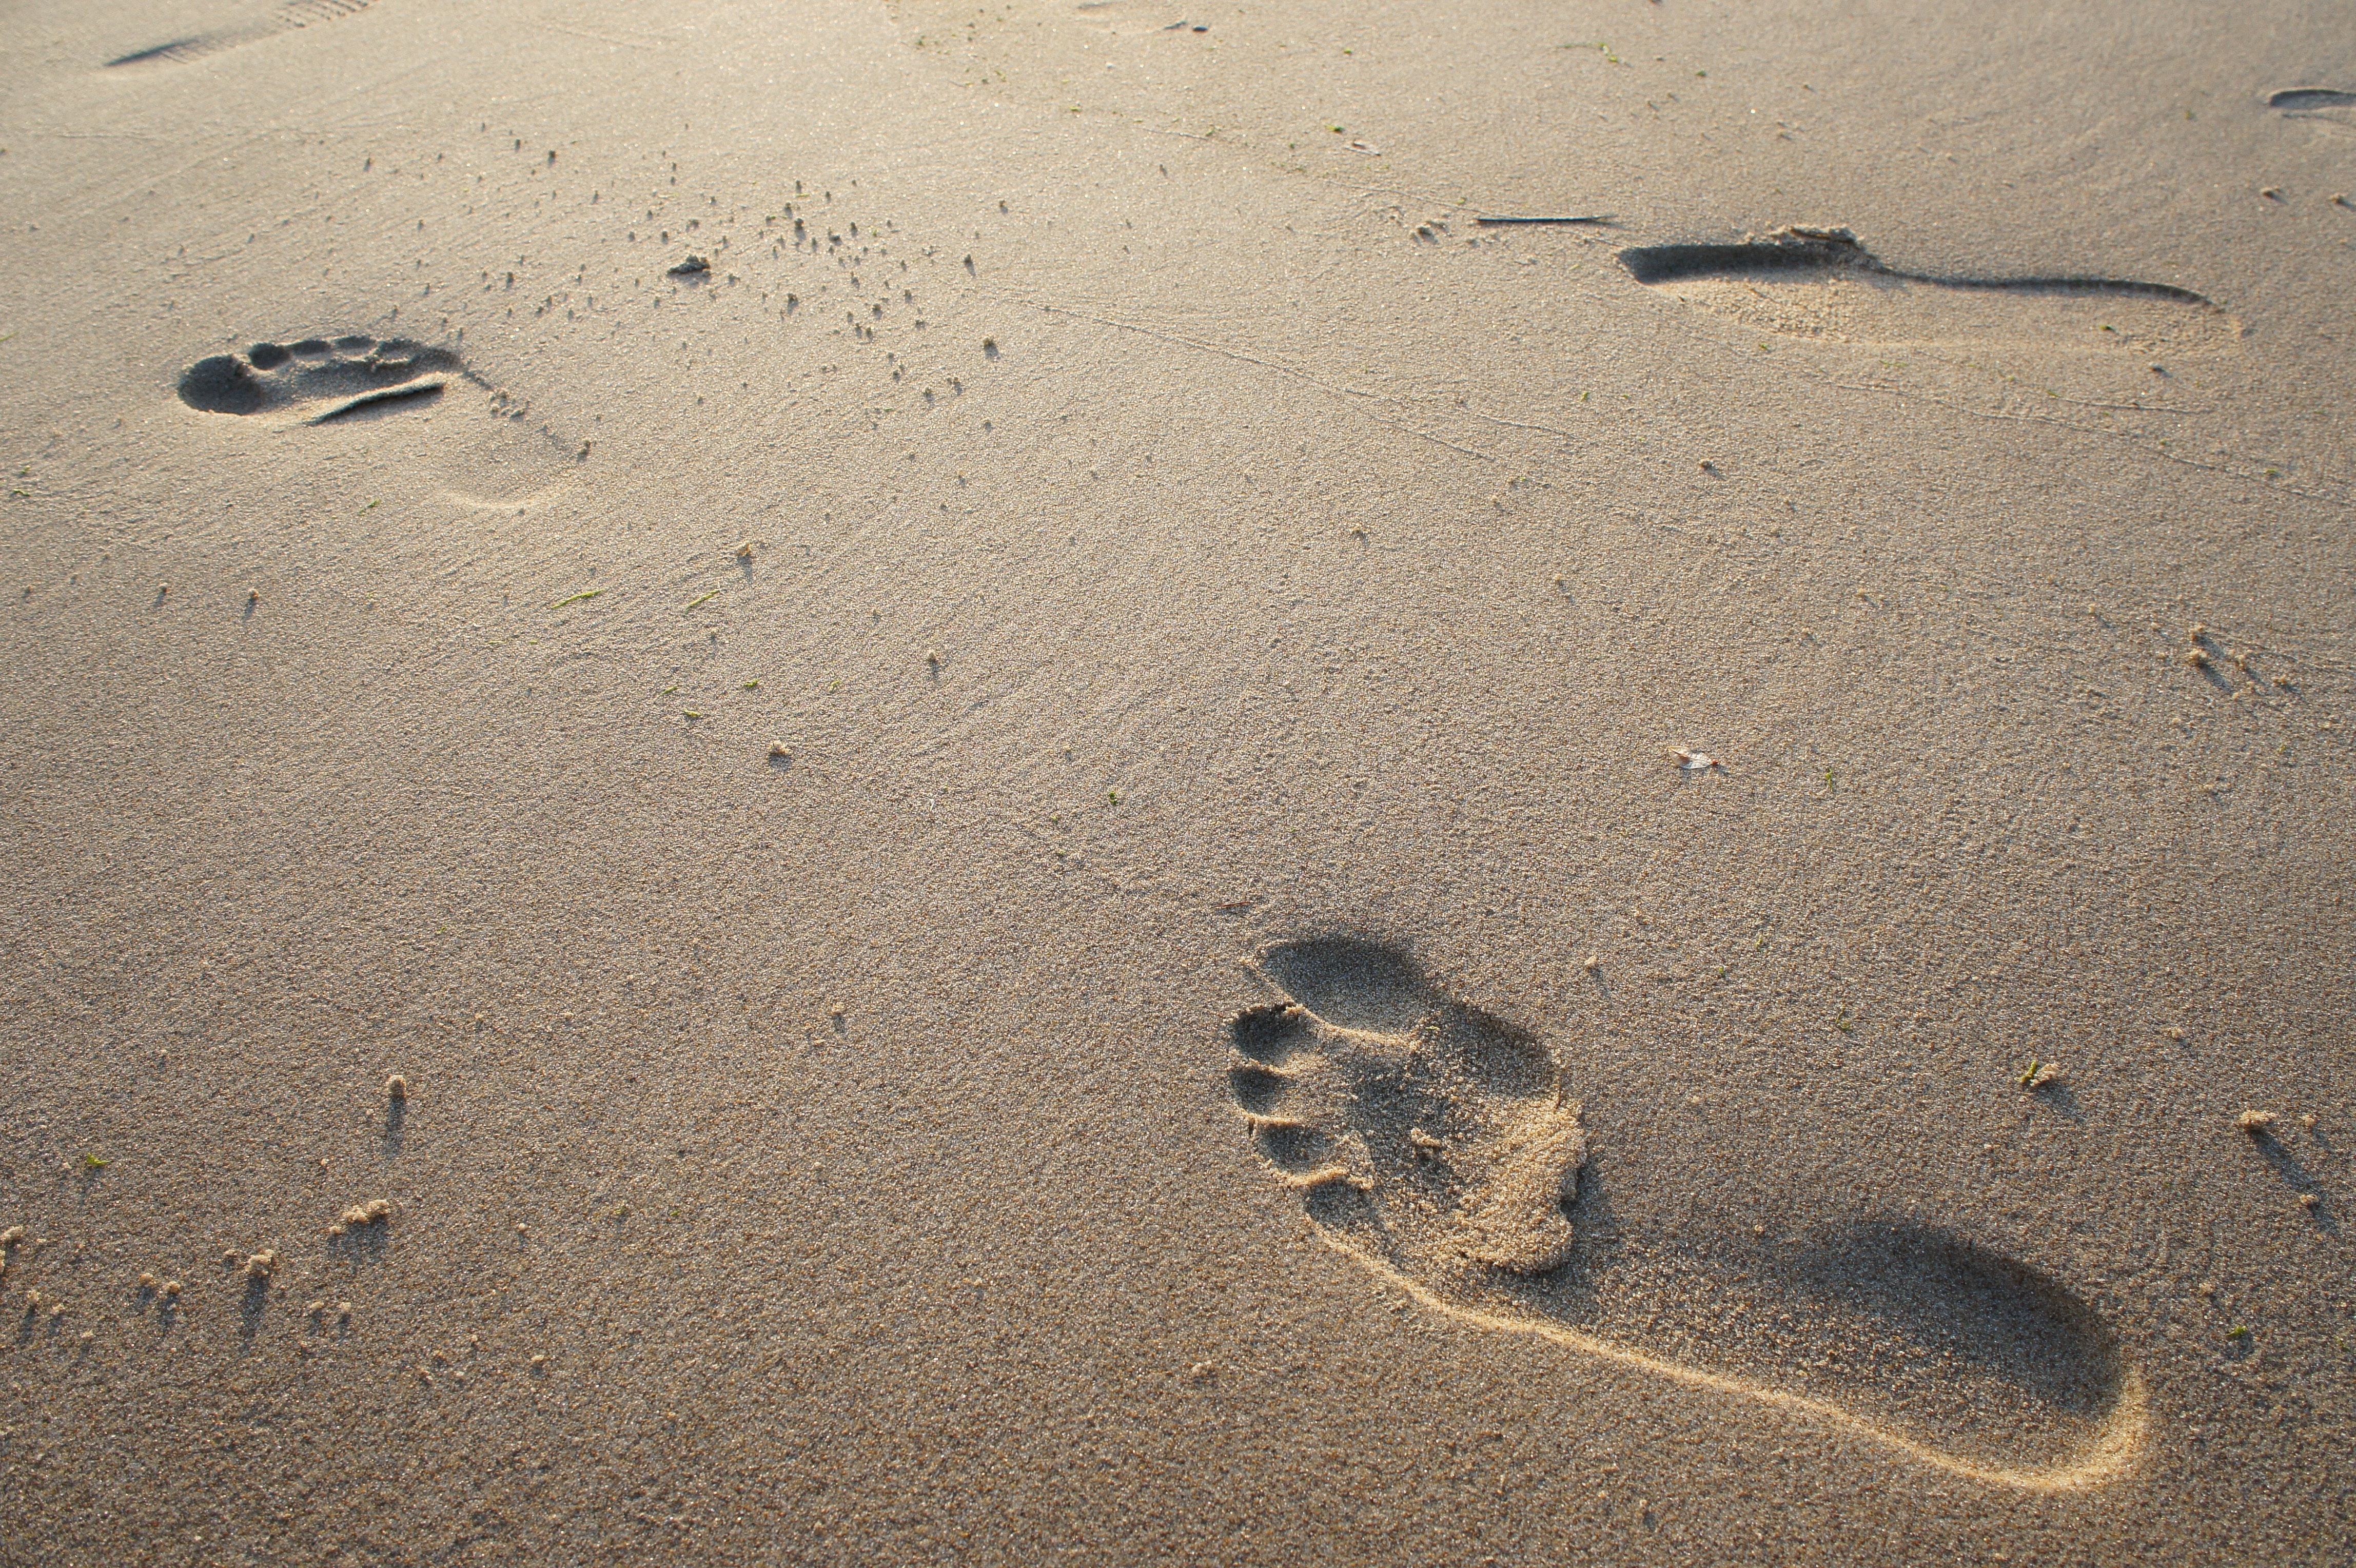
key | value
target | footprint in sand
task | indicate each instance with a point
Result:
(1821, 283)
(317, 380)
(1440, 1147)
(2315, 102)
(1136, 16)
(2329, 112)
(283, 18)
(489, 457)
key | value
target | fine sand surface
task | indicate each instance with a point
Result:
(1084, 832)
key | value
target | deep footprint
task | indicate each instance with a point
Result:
(318, 379)
(1822, 283)
(1438, 1146)
(285, 18)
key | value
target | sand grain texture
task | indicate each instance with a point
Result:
(976, 832)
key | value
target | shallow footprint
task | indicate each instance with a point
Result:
(1437, 1145)
(1821, 283)
(316, 380)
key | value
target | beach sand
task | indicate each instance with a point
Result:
(1125, 844)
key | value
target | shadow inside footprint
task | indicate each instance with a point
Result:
(1355, 984)
(1935, 1293)
(330, 379)
(1913, 1331)
(1434, 1143)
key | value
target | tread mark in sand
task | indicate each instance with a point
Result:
(1438, 1146)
